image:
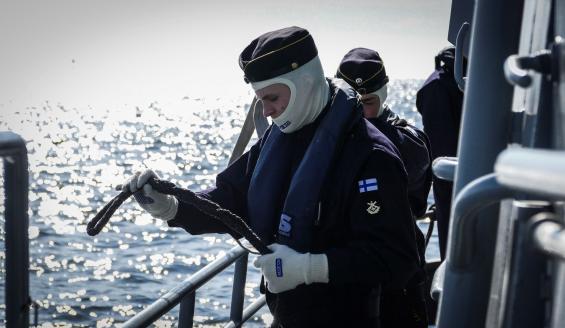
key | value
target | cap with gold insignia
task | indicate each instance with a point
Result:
(277, 52)
(363, 69)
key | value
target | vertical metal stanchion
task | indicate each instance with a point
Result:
(558, 311)
(13, 150)
(517, 302)
(484, 125)
(238, 291)
(186, 313)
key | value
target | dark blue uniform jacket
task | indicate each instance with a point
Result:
(368, 236)
(440, 102)
(414, 149)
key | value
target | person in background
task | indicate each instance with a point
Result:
(364, 70)
(440, 103)
(326, 188)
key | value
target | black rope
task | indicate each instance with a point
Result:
(431, 215)
(233, 222)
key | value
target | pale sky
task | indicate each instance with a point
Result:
(90, 53)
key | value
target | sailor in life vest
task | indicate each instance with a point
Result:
(364, 70)
(324, 187)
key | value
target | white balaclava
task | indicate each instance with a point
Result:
(309, 94)
(382, 94)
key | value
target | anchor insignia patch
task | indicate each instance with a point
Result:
(373, 208)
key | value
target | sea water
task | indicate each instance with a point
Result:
(77, 155)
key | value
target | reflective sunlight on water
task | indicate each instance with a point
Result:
(78, 155)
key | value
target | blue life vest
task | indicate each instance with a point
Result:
(296, 219)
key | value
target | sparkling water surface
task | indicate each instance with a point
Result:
(78, 155)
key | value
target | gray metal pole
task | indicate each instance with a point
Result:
(484, 133)
(444, 168)
(559, 89)
(238, 290)
(518, 302)
(549, 237)
(537, 171)
(477, 195)
(488, 96)
(249, 311)
(547, 230)
(13, 149)
(186, 313)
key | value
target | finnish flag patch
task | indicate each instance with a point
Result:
(368, 185)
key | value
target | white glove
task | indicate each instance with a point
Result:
(159, 205)
(284, 269)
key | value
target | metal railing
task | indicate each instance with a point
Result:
(549, 234)
(14, 153)
(444, 168)
(541, 172)
(537, 172)
(185, 293)
(477, 195)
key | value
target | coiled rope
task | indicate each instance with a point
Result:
(207, 207)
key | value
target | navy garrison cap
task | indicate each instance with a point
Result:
(276, 53)
(363, 69)
(446, 56)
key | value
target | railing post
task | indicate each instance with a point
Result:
(186, 313)
(181, 292)
(548, 234)
(515, 298)
(13, 150)
(238, 290)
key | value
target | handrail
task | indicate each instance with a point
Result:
(537, 172)
(549, 234)
(475, 196)
(458, 65)
(249, 311)
(514, 72)
(14, 152)
(174, 296)
(532, 170)
(444, 168)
